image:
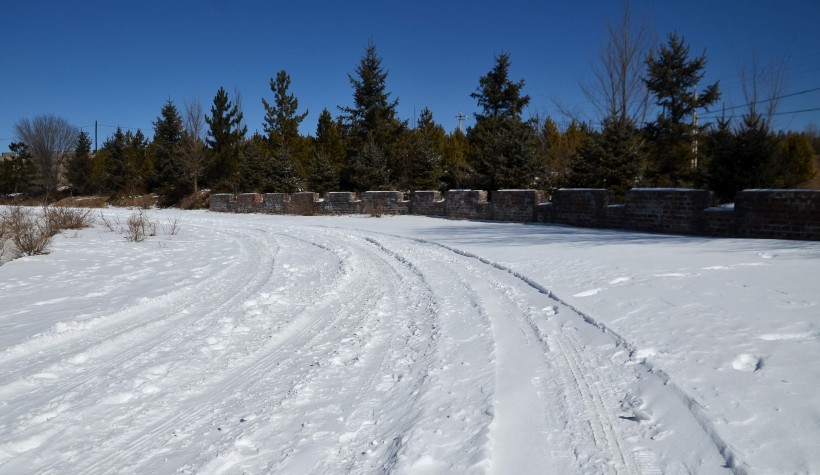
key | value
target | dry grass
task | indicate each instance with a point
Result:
(83, 202)
(198, 200)
(60, 218)
(142, 202)
(138, 227)
(29, 233)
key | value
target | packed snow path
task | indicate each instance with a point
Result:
(252, 347)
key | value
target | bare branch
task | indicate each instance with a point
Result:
(50, 140)
(617, 91)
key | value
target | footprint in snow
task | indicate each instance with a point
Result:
(747, 363)
(620, 280)
(550, 311)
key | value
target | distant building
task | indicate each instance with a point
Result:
(7, 156)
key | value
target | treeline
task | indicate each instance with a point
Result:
(368, 147)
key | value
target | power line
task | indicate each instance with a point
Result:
(776, 98)
(798, 111)
(715, 114)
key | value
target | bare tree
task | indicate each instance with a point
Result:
(763, 89)
(617, 91)
(50, 140)
(192, 143)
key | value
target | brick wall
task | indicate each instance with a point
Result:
(339, 202)
(517, 206)
(580, 207)
(384, 202)
(789, 214)
(782, 214)
(674, 211)
(467, 204)
(427, 203)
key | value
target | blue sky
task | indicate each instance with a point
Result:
(118, 62)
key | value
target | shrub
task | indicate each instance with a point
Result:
(138, 227)
(60, 218)
(28, 234)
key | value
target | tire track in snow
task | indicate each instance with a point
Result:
(640, 459)
(380, 344)
(123, 350)
(361, 314)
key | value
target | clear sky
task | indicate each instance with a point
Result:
(117, 62)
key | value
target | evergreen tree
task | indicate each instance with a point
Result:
(281, 118)
(324, 175)
(17, 174)
(262, 172)
(426, 153)
(140, 166)
(225, 136)
(254, 167)
(78, 168)
(282, 127)
(503, 148)
(557, 150)
(367, 167)
(328, 157)
(611, 159)
(498, 96)
(723, 165)
(372, 128)
(329, 139)
(794, 161)
(454, 166)
(168, 173)
(755, 151)
(115, 163)
(672, 78)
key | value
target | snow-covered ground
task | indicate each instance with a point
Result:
(254, 344)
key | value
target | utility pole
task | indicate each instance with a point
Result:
(95, 137)
(460, 117)
(695, 133)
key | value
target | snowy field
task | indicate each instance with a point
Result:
(271, 344)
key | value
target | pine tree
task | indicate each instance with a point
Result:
(328, 157)
(723, 165)
(794, 161)
(372, 128)
(168, 170)
(329, 139)
(140, 165)
(502, 146)
(755, 152)
(454, 161)
(282, 127)
(281, 118)
(263, 172)
(367, 167)
(498, 96)
(17, 174)
(672, 78)
(225, 136)
(426, 150)
(611, 159)
(324, 175)
(78, 168)
(115, 163)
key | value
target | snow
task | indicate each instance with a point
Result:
(257, 344)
